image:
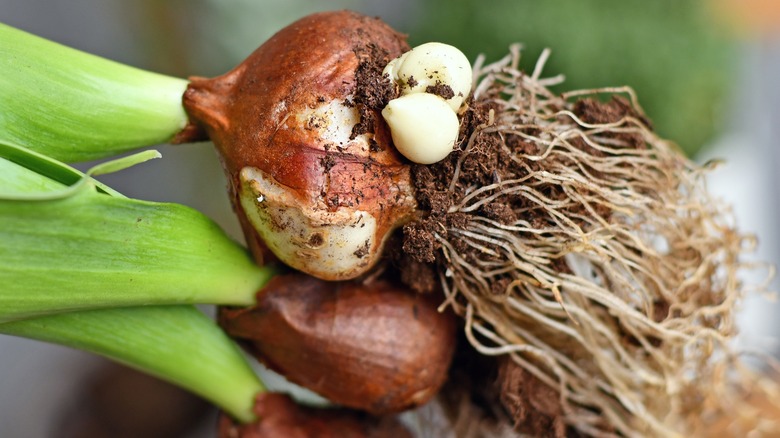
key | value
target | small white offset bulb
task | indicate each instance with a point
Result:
(431, 68)
(423, 126)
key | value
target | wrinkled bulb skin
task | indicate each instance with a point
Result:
(312, 171)
(374, 347)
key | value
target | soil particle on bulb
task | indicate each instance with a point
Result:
(442, 90)
(362, 251)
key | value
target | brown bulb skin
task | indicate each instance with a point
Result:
(312, 171)
(372, 347)
(280, 417)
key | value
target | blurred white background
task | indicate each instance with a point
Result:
(39, 382)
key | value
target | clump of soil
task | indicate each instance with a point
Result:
(585, 252)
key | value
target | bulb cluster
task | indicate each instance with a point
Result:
(317, 183)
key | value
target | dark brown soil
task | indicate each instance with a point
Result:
(372, 90)
(534, 406)
(442, 90)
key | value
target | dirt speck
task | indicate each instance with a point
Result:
(315, 240)
(373, 89)
(596, 112)
(442, 90)
(363, 250)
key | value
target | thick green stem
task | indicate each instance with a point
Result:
(74, 106)
(176, 343)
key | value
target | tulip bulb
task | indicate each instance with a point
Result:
(312, 170)
(372, 347)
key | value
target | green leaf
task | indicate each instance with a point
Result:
(17, 180)
(34, 172)
(74, 106)
(91, 250)
(176, 343)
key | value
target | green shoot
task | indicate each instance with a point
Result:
(74, 106)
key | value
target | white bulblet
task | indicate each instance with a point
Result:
(423, 126)
(432, 65)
